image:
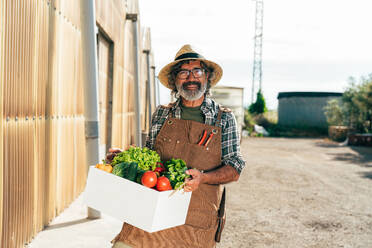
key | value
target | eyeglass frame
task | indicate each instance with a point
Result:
(192, 71)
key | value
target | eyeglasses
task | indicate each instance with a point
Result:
(196, 72)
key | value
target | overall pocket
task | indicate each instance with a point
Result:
(164, 146)
(203, 158)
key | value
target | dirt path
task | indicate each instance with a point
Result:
(300, 193)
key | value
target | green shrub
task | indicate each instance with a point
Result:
(259, 106)
(358, 104)
(249, 121)
(334, 113)
(296, 131)
(355, 109)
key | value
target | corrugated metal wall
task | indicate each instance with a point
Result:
(42, 139)
(303, 111)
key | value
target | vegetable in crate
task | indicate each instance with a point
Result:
(126, 170)
(159, 171)
(140, 173)
(120, 169)
(176, 172)
(108, 168)
(132, 172)
(146, 158)
(163, 184)
(105, 167)
(149, 179)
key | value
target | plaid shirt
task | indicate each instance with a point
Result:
(230, 139)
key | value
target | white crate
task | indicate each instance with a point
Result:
(133, 203)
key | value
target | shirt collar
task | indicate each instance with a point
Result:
(208, 108)
(207, 104)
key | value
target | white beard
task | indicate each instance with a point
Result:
(191, 95)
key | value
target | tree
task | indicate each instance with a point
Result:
(259, 106)
(355, 109)
(334, 113)
(358, 104)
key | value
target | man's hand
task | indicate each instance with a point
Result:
(222, 175)
(112, 152)
(195, 180)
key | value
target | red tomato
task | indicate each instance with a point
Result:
(159, 170)
(160, 164)
(163, 184)
(149, 179)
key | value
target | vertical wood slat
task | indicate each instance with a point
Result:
(26, 127)
(4, 96)
(48, 200)
(12, 169)
(2, 119)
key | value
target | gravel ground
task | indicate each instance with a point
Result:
(293, 193)
(300, 193)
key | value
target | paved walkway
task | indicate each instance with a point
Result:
(72, 229)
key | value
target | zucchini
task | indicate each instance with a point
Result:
(132, 171)
(139, 175)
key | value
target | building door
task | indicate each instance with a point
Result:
(105, 79)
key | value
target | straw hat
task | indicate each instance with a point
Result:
(186, 52)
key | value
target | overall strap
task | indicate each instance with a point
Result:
(218, 121)
(221, 109)
(170, 106)
(221, 217)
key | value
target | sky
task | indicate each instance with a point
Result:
(307, 45)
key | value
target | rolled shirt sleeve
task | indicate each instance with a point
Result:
(231, 143)
(157, 120)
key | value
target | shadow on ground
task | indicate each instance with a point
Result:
(361, 156)
(358, 155)
(328, 144)
(67, 224)
(367, 175)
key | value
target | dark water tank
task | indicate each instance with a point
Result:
(304, 108)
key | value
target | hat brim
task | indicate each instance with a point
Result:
(164, 72)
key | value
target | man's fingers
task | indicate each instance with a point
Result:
(114, 150)
(187, 188)
(193, 172)
(110, 157)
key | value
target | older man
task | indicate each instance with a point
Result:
(204, 134)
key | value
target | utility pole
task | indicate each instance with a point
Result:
(257, 56)
(133, 17)
(90, 79)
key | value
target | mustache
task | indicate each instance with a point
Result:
(185, 85)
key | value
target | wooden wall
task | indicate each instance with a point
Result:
(42, 140)
(43, 163)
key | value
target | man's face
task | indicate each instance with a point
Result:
(191, 81)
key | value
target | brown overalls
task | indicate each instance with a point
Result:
(178, 139)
